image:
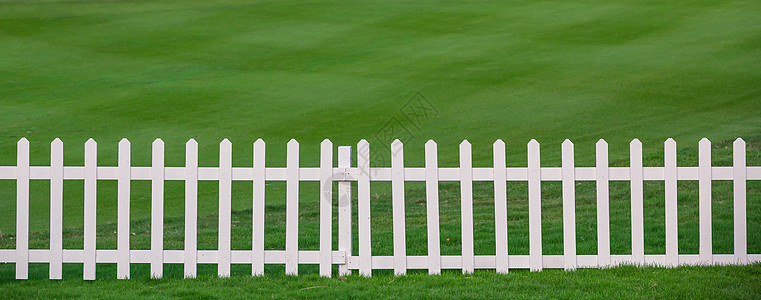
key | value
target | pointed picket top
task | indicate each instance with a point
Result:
(703, 142)
(363, 143)
(567, 143)
(258, 142)
(601, 142)
(533, 142)
(191, 142)
(124, 141)
(326, 143)
(225, 142)
(738, 142)
(499, 143)
(464, 143)
(635, 142)
(91, 141)
(56, 142)
(670, 142)
(430, 143)
(397, 142)
(158, 142)
(293, 142)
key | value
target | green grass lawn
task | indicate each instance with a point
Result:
(277, 70)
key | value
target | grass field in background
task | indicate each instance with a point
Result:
(311, 70)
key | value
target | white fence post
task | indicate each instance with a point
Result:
(225, 207)
(466, 207)
(397, 187)
(535, 206)
(344, 210)
(432, 206)
(157, 209)
(257, 242)
(124, 179)
(500, 207)
(603, 204)
(637, 202)
(739, 174)
(292, 209)
(22, 209)
(672, 218)
(363, 213)
(704, 202)
(56, 209)
(191, 209)
(326, 208)
(569, 206)
(90, 209)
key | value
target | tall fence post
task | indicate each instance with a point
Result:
(56, 209)
(535, 207)
(157, 210)
(569, 206)
(397, 190)
(603, 204)
(292, 209)
(344, 210)
(672, 217)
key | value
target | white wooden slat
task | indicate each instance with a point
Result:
(603, 204)
(569, 206)
(123, 210)
(363, 203)
(704, 201)
(190, 255)
(397, 195)
(90, 209)
(637, 202)
(225, 207)
(344, 209)
(56, 209)
(22, 209)
(432, 207)
(500, 207)
(740, 205)
(257, 243)
(466, 206)
(157, 209)
(292, 209)
(534, 206)
(326, 208)
(670, 180)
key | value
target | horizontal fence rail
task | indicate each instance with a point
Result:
(343, 173)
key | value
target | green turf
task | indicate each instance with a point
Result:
(278, 70)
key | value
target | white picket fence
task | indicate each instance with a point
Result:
(344, 174)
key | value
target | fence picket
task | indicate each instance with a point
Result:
(670, 177)
(739, 172)
(344, 210)
(257, 242)
(466, 206)
(637, 202)
(397, 187)
(363, 202)
(157, 209)
(534, 206)
(191, 209)
(56, 209)
(225, 207)
(292, 209)
(704, 201)
(603, 204)
(123, 209)
(432, 206)
(500, 207)
(22, 209)
(326, 208)
(569, 206)
(90, 209)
